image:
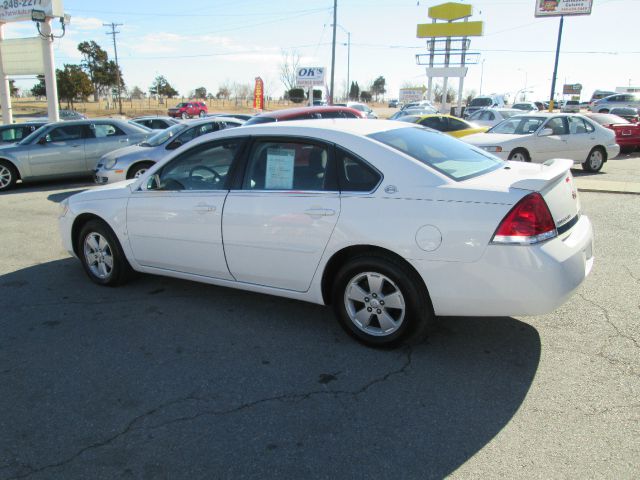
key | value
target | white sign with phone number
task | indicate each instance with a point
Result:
(19, 10)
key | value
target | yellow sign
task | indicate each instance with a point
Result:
(460, 29)
(450, 11)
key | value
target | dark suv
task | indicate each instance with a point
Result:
(304, 113)
(188, 110)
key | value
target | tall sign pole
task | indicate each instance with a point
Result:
(51, 86)
(333, 50)
(560, 8)
(5, 97)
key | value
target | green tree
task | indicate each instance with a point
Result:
(378, 87)
(13, 90)
(365, 96)
(73, 83)
(354, 91)
(137, 93)
(224, 92)
(296, 95)
(317, 94)
(102, 72)
(162, 87)
(39, 89)
(200, 92)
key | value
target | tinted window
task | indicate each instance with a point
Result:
(354, 175)
(455, 125)
(437, 123)
(481, 102)
(157, 124)
(197, 131)
(447, 155)
(204, 167)
(106, 130)
(12, 134)
(289, 166)
(332, 115)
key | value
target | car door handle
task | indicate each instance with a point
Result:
(204, 208)
(320, 212)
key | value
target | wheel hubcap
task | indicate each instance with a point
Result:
(596, 159)
(374, 304)
(98, 255)
(140, 172)
(5, 176)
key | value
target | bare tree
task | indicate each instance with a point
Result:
(288, 68)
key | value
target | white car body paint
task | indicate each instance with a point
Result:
(465, 274)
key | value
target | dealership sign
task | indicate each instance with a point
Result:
(571, 89)
(19, 10)
(310, 76)
(22, 56)
(556, 8)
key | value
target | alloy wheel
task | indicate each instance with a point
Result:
(99, 255)
(5, 176)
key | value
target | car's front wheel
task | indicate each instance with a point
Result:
(138, 169)
(519, 155)
(8, 175)
(202, 113)
(595, 160)
(101, 254)
(382, 302)
(184, 115)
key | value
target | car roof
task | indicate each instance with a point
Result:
(151, 117)
(294, 112)
(349, 125)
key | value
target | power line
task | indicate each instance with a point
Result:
(113, 33)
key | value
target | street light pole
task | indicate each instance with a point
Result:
(349, 63)
(481, 75)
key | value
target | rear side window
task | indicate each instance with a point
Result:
(354, 175)
(443, 153)
(106, 130)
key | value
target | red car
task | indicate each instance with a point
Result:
(188, 110)
(627, 133)
(305, 113)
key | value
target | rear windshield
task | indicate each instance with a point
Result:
(607, 118)
(481, 102)
(445, 154)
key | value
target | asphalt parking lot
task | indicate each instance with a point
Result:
(170, 379)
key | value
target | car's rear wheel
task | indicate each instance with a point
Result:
(202, 114)
(8, 175)
(519, 155)
(382, 302)
(184, 115)
(101, 254)
(595, 160)
(138, 169)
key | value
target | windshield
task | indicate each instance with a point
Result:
(520, 125)
(481, 102)
(445, 154)
(164, 135)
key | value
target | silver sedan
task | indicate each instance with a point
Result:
(133, 161)
(65, 149)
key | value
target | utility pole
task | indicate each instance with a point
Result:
(333, 49)
(555, 66)
(113, 33)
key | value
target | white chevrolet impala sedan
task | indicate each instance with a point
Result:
(390, 223)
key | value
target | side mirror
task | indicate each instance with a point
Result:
(42, 140)
(545, 132)
(175, 144)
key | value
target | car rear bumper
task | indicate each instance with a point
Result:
(510, 279)
(612, 150)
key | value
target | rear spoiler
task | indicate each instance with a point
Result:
(549, 172)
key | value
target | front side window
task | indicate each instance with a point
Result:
(275, 165)
(11, 134)
(437, 123)
(205, 167)
(443, 153)
(66, 133)
(106, 130)
(558, 125)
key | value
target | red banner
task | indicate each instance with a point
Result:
(258, 94)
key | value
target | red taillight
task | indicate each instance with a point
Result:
(530, 221)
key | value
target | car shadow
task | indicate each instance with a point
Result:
(182, 379)
(49, 185)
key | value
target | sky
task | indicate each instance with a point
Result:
(217, 42)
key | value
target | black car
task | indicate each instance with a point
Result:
(17, 131)
(155, 122)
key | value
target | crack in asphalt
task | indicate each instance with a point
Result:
(130, 427)
(610, 322)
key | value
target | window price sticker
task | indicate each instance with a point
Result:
(279, 175)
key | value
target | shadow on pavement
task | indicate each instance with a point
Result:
(49, 185)
(171, 379)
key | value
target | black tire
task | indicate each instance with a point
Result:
(595, 160)
(120, 270)
(418, 319)
(137, 168)
(522, 152)
(8, 175)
